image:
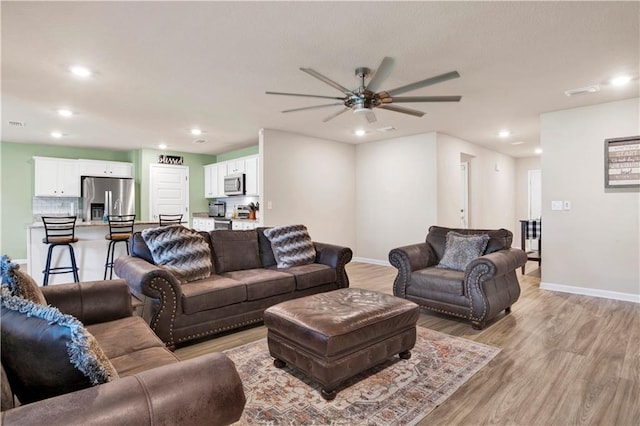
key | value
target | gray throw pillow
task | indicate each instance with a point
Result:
(292, 245)
(46, 353)
(182, 251)
(461, 249)
(19, 283)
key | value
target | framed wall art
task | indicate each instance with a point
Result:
(622, 162)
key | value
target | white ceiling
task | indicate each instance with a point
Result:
(164, 67)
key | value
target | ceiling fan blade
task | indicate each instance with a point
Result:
(402, 110)
(426, 99)
(381, 74)
(313, 107)
(332, 116)
(424, 83)
(371, 117)
(327, 80)
(303, 95)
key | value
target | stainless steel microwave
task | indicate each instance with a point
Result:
(234, 184)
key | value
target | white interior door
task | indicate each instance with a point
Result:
(464, 202)
(168, 190)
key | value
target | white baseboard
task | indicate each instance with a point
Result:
(371, 261)
(606, 294)
(21, 262)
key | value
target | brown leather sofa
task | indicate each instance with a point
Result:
(246, 282)
(487, 287)
(154, 388)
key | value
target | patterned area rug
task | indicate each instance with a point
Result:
(398, 392)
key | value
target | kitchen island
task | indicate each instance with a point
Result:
(90, 251)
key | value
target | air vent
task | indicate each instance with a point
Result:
(387, 129)
(582, 90)
(199, 141)
(17, 123)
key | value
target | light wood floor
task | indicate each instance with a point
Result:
(565, 359)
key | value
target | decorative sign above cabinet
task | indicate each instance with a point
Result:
(170, 159)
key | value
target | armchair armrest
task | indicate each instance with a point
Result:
(336, 257)
(498, 263)
(148, 280)
(91, 302)
(169, 395)
(407, 259)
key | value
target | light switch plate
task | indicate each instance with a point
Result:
(556, 205)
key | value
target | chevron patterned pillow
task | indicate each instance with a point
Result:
(181, 251)
(292, 245)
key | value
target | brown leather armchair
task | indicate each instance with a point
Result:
(485, 288)
(154, 388)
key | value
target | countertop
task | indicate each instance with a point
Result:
(206, 216)
(97, 223)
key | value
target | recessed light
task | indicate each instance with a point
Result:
(504, 133)
(620, 80)
(56, 135)
(65, 112)
(196, 131)
(162, 146)
(538, 150)
(359, 132)
(80, 71)
(517, 143)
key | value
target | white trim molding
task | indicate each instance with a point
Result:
(606, 294)
(371, 261)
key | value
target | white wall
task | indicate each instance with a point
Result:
(396, 193)
(310, 181)
(594, 247)
(523, 165)
(492, 192)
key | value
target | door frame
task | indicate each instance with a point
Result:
(464, 180)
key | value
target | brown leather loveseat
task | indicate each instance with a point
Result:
(153, 386)
(485, 287)
(245, 281)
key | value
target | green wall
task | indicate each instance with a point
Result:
(17, 186)
(243, 152)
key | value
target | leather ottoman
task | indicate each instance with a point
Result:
(333, 336)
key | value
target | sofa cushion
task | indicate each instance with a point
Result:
(436, 280)
(311, 275)
(292, 245)
(499, 239)
(210, 293)
(235, 250)
(19, 283)
(182, 251)
(263, 283)
(143, 360)
(123, 336)
(46, 353)
(460, 250)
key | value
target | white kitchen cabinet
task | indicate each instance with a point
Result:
(251, 175)
(214, 180)
(105, 168)
(56, 177)
(206, 224)
(243, 225)
(235, 166)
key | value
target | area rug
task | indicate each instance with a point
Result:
(398, 392)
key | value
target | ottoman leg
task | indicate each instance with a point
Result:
(405, 355)
(279, 363)
(328, 395)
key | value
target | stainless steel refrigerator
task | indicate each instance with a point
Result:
(113, 196)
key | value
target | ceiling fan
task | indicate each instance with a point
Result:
(364, 99)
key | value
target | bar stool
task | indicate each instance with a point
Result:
(59, 231)
(120, 230)
(170, 219)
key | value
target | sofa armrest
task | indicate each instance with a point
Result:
(407, 259)
(497, 263)
(91, 302)
(336, 257)
(202, 390)
(148, 280)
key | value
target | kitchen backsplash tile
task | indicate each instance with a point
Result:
(54, 206)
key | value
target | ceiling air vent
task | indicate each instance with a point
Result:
(387, 129)
(582, 90)
(17, 123)
(199, 141)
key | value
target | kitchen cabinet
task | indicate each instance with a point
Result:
(214, 180)
(56, 177)
(243, 225)
(235, 166)
(206, 224)
(214, 175)
(105, 168)
(251, 175)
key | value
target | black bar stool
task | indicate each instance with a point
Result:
(120, 230)
(170, 219)
(60, 231)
